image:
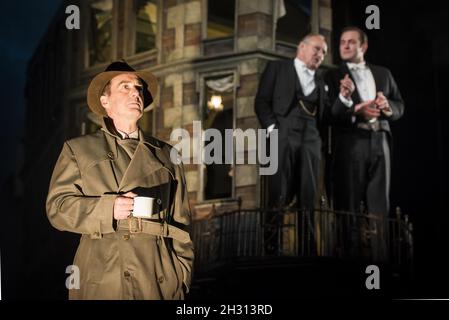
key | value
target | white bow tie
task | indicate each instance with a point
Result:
(357, 66)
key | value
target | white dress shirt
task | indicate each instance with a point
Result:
(306, 77)
(364, 80)
(365, 84)
(132, 135)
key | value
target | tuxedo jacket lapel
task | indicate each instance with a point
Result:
(355, 95)
(379, 78)
(319, 85)
(292, 79)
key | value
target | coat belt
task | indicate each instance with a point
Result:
(138, 225)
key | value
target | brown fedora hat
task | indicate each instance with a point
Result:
(100, 81)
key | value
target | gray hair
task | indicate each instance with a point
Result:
(311, 35)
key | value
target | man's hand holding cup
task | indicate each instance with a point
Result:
(124, 205)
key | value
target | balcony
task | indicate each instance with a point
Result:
(255, 251)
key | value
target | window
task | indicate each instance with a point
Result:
(220, 18)
(296, 21)
(100, 31)
(218, 114)
(145, 25)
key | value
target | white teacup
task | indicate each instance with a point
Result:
(143, 207)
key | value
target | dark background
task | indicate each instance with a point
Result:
(412, 42)
(22, 24)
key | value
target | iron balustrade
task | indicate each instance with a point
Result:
(296, 232)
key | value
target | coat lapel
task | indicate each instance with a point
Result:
(292, 79)
(378, 78)
(143, 163)
(147, 159)
(319, 83)
(112, 154)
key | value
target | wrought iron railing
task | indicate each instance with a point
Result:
(292, 232)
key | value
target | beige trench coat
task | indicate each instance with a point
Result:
(146, 260)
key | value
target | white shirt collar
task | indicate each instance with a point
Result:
(356, 66)
(132, 135)
(302, 66)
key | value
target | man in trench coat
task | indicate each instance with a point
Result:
(91, 193)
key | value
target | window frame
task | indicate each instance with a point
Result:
(86, 22)
(201, 88)
(292, 47)
(130, 31)
(205, 39)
